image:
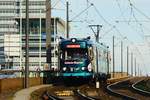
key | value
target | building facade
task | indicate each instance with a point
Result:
(12, 34)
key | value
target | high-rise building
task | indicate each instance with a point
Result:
(8, 28)
(12, 34)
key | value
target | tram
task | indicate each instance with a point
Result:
(83, 58)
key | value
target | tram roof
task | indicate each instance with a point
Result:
(88, 41)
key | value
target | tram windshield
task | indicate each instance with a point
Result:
(75, 54)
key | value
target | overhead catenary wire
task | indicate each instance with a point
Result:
(132, 14)
(81, 12)
(137, 49)
(119, 6)
(77, 15)
(131, 11)
(99, 12)
(63, 2)
(147, 17)
(132, 20)
(129, 40)
(136, 20)
(100, 15)
(86, 16)
(142, 13)
(92, 4)
(108, 31)
(113, 26)
(53, 5)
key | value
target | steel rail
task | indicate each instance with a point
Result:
(83, 96)
(140, 91)
(113, 92)
(51, 97)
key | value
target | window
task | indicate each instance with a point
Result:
(17, 3)
(7, 3)
(7, 11)
(18, 11)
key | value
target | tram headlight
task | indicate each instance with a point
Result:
(89, 67)
(73, 40)
(83, 68)
(64, 68)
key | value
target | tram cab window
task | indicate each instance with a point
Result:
(75, 54)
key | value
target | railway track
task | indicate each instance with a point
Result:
(59, 91)
(126, 90)
(84, 97)
(82, 92)
(66, 93)
(47, 96)
(142, 91)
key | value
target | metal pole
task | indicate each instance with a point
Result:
(27, 46)
(107, 61)
(97, 59)
(9, 54)
(54, 41)
(40, 42)
(97, 32)
(135, 66)
(121, 58)
(131, 64)
(113, 58)
(56, 46)
(127, 60)
(67, 18)
(56, 26)
(138, 70)
(48, 31)
(21, 33)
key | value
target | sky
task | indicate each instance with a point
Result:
(127, 20)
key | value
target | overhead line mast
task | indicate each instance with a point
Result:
(97, 39)
(113, 57)
(48, 31)
(26, 85)
(67, 18)
(97, 32)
